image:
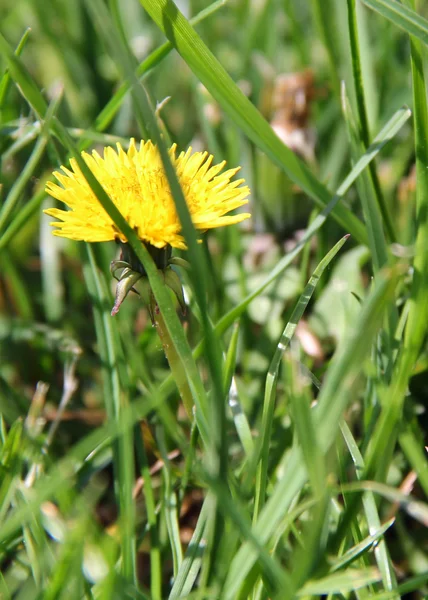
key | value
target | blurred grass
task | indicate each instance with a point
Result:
(304, 472)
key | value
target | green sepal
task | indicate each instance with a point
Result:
(179, 262)
(172, 280)
(117, 265)
(125, 284)
(144, 289)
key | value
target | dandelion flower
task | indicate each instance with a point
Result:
(136, 182)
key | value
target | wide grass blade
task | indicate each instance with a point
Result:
(340, 583)
(402, 17)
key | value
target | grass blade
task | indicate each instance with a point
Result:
(402, 17)
(272, 376)
(381, 551)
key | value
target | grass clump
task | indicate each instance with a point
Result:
(279, 451)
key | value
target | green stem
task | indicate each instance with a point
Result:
(173, 358)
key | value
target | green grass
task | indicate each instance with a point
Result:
(302, 471)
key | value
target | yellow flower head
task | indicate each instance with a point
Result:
(136, 182)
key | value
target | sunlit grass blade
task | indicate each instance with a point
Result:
(340, 583)
(191, 564)
(366, 189)
(10, 462)
(375, 214)
(277, 578)
(413, 584)
(313, 539)
(402, 17)
(170, 506)
(152, 520)
(239, 418)
(18, 286)
(374, 524)
(21, 218)
(327, 29)
(272, 376)
(369, 542)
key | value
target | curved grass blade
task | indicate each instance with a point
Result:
(20, 75)
(369, 542)
(5, 80)
(340, 583)
(415, 508)
(402, 17)
(272, 376)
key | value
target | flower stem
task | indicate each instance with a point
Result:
(175, 363)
